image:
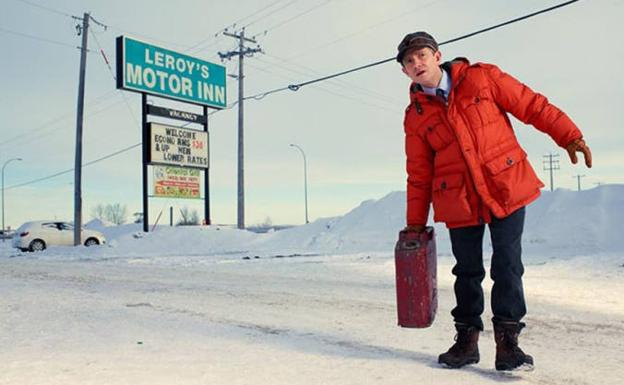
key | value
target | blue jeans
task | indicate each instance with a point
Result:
(506, 270)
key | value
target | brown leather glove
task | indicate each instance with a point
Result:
(415, 228)
(578, 145)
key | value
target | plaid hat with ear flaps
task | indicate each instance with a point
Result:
(415, 40)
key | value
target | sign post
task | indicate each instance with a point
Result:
(149, 69)
(207, 220)
(145, 148)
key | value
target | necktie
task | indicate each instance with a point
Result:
(440, 92)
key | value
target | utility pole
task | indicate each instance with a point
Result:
(578, 180)
(551, 165)
(79, 117)
(241, 53)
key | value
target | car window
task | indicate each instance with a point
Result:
(49, 226)
(65, 226)
(23, 227)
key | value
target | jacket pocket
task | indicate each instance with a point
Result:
(450, 199)
(511, 177)
(438, 135)
(479, 109)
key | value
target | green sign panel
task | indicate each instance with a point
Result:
(143, 67)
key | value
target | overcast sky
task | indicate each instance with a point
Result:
(351, 129)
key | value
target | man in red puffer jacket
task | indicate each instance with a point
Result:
(463, 157)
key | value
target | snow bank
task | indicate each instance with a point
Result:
(560, 224)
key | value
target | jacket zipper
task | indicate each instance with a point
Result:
(479, 201)
(474, 143)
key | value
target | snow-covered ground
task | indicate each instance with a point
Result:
(313, 304)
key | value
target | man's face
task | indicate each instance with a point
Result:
(422, 65)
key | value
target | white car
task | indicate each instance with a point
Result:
(37, 235)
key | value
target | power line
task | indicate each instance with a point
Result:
(29, 36)
(55, 11)
(42, 127)
(509, 22)
(85, 164)
(217, 34)
(94, 101)
(93, 19)
(362, 102)
(39, 179)
(49, 129)
(49, 9)
(296, 87)
(338, 82)
(270, 13)
(79, 126)
(110, 70)
(71, 170)
(197, 47)
(293, 18)
(233, 25)
(80, 165)
(403, 14)
(151, 38)
(60, 118)
(187, 47)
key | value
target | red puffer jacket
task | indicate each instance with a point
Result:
(465, 158)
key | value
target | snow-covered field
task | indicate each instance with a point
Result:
(314, 304)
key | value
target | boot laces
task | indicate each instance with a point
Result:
(462, 339)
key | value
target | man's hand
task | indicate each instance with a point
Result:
(578, 145)
(415, 228)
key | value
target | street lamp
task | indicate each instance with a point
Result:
(3, 166)
(305, 180)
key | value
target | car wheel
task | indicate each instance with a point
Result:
(37, 245)
(91, 242)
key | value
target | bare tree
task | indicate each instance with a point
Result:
(189, 218)
(113, 213)
(263, 227)
(116, 213)
(267, 222)
(99, 212)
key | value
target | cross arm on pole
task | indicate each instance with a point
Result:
(248, 39)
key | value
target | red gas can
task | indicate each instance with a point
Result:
(416, 265)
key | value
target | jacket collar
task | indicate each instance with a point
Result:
(455, 69)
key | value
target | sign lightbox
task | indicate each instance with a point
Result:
(178, 146)
(176, 182)
(144, 67)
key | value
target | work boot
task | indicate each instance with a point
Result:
(465, 351)
(508, 355)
